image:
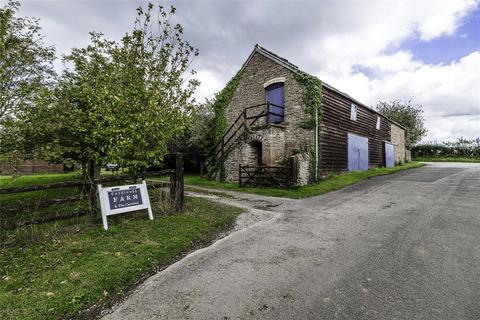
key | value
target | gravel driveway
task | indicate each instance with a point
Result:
(404, 246)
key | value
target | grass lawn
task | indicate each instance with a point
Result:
(20, 208)
(35, 179)
(424, 159)
(331, 183)
(74, 263)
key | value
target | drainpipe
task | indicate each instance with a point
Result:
(316, 144)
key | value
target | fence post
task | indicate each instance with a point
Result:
(177, 183)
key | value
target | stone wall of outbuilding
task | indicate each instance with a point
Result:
(279, 141)
(397, 135)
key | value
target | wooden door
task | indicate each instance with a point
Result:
(389, 155)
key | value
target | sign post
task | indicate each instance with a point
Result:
(121, 199)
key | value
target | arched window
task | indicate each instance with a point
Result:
(276, 102)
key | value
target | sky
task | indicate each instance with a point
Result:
(428, 51)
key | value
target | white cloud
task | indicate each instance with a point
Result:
(393, 63)
(451, 128)
(354, 46)
(210, 83)
(446, 18)
(445, 91)
(356, 62)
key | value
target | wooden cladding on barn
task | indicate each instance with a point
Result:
(337, 124)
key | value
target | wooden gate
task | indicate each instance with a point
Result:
(265, 176)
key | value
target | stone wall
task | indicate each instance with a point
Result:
(280, 141)
(408, 156)
(272, 139)
(301, 169)
(397, 135)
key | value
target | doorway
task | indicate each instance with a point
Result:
(257, 153)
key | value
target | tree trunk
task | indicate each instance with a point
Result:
(93, 174)
(84, 169)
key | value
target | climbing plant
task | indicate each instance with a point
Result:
(222, 100)
(312, 98)
(312, 101)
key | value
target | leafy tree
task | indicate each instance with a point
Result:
(26, 78)
(200, 130)
(124, 101)
(409, 115)
(25, 61)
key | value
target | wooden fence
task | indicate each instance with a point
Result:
(31, 167)
(265, 176)
(85, 190)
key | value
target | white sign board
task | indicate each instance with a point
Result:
(120, 199)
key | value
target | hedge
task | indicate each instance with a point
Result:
(443, 151)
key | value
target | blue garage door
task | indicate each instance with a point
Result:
(357, 152)
(389, 159)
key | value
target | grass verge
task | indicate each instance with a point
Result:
(331, 183)
(425, 159)
(62, 273)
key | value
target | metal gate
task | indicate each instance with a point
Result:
(357, 152)
(389, 155)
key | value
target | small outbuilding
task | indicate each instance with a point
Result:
(273, 115)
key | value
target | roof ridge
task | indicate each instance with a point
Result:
(265, 50)
(292, 67)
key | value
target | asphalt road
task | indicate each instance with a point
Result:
(404, 246)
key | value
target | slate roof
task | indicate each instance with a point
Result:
(290, 66)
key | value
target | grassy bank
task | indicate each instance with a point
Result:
(425, 159)
(331, 183)
(60, 274)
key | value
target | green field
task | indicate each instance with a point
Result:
(36, 179)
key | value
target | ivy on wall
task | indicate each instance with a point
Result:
(312, 100)
(222, 100)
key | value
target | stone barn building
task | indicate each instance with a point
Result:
(277, 115)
